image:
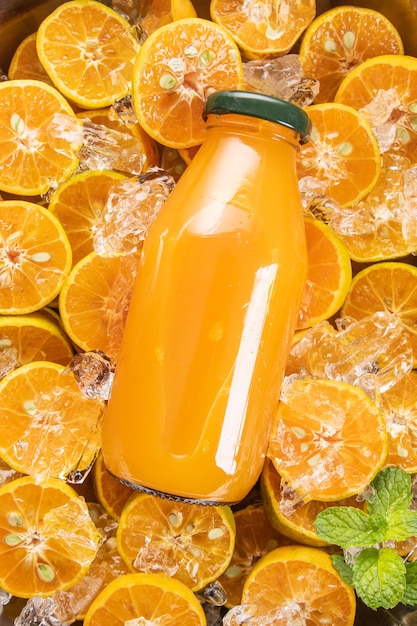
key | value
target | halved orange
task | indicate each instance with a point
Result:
(156, 13)
(94, 301)
(79, 204)
(48, 427)
(40, 136)
(298, 584)
(290, 516)
(47, 538)
(255, 536)
(342, 155)
(340, 39)
(329, 274)
(398, 405)
(88, 51)
(329, 439)
(145, 599)
(177, 67)
(265, 28)
(190, 542)
(384, 90)
(25, 62)
(110, 492)
(35, 256)
(390, 286)
(137, 150)
(34, 337)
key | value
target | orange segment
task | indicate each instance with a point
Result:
(145, 599)
(47, 538)
(39, 137)
(390, 286)
(79, 204)
(35, 257)
(296, 584)
(264, 28)
(88, 51)
(399, 407)
(288, 515)
(384, 90)
(33, 337)
(342, 156)
(48, 427)
(329, 274)
(177, 67)
(25, 62)
(94, 301)
(191, 542)
(255, 536)
(329, 439)
(110, 492)
(342, 38)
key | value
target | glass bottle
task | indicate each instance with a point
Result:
(213, 310)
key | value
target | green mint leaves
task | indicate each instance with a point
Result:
(380, 577)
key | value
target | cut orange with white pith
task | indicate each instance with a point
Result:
(342, 156)
(298, 584)
(145, 599)
(35, 257)
(25, 62)
(177, 67)
(329, 439)
(48, 427)
(329, 274)
(47, 538)
(40, 136)
(265, 28)
(88, 51)
(340, 39)
(191, 542)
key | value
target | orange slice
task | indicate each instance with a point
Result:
(255, 536)
(110, 492)
(384, 90)
(329, 274)
(48, 427)
(390, 286)
(342, 38)
(296, 584)
(142, 147)
(25, 62)
(399, 408)
(88, 51)
(156, 13)
(94, 301)
(47, 538)
(79, 204)
(35, 257)
(177, 67)
(33, 337)
(265, 28)
(40, 136)
(329, 439)
(190, 542)
(288, 515)
(145, 599)
(342, 156)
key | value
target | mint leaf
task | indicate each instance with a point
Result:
(343, 569)
(410, 594)
(392, 492)
(348, 526)
(402, 525)
(379, 577)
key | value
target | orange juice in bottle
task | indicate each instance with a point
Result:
(213, 310)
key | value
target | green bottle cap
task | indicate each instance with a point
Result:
(261, 106)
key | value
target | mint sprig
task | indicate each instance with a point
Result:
(380, 577)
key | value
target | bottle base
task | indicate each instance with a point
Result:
(169, 496)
